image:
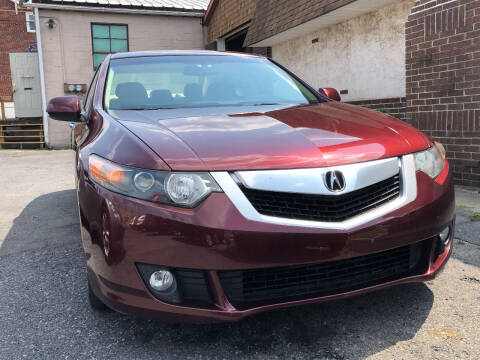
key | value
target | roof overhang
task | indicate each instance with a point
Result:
(115, 10)
(337, 16)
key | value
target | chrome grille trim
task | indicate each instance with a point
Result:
(311, 181)
(408, 193)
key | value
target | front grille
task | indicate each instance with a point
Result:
(326, 208)
(322, 279)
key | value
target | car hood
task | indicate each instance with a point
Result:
(271, 137)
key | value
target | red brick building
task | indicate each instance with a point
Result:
(443, 79)
(14, 37)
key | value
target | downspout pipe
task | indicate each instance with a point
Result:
(42, 77)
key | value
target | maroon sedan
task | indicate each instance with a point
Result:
(212, 186)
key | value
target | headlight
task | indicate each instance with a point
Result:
(166, 187)
(431, 161)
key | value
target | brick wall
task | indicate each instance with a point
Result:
(443, 80)
(229, 15)
(395, 107)
(13, 38)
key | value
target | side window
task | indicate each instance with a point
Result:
(91, 91)
(30, 20)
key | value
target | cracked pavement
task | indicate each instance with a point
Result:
(44, 312)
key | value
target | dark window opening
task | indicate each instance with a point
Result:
(235, 43)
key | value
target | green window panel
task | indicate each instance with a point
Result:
(119, 45)
(118, 32)
(97, 59)
(101, 45)
(101, 31)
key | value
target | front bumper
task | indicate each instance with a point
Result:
(215, 237)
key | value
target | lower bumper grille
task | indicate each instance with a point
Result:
(322, 279)
(327, 208)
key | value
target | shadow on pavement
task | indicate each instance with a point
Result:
(44, 311)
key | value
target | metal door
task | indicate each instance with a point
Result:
(27, 97)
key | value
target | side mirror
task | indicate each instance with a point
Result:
(330, 93)
(64, 108)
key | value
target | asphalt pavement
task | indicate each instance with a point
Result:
(44, 312)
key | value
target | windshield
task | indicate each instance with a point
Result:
(169, 82)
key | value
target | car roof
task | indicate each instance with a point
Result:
(179, 53)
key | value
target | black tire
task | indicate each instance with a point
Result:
(94, 301)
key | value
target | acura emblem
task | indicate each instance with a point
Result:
(335, 181)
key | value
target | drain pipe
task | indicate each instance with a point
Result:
(42, 77)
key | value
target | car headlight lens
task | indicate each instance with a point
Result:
(431, 161)
(166, 187)
(143, 181)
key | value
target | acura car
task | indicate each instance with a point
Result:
(213, 185)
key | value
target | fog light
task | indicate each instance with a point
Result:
(161, 280)
(445, 235)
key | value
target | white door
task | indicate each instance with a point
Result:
(27, 97)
